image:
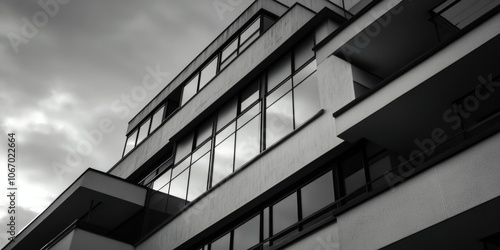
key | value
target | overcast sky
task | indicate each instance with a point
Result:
(60, 79)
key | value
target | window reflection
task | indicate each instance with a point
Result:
(160, 182)
(178, 186)
(184, 147)
(130, 142)
(189, 90)
(279, 120)
(204, 131)
(208, 73)
(157, 118)
(317, 194)
(143, 131)
(278, 93)
(285, 213)
(223, 160)
(247, 235)
(247, 142)
(280, 70)
(303, 51)
(306, 100)
(198, 177)
(222, 243)
(227, 113)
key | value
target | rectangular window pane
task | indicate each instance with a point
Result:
(222, 243)
(247, 142)
(255, 26)
(317, 194)
(247, 235)
(353, 173)
(181, 166)
(204, 131)
(285, 213)
(228, 60)
(178, 186)
(184, 147)
(229, 50)
(227, 113)
(249, 95)
(304, 73)
(189, 90)
(249, 41)
(303, 51)
(157, 118)
(223, 160)
(279, 119)
(202, 150)
(278, 93)
(248, 115)
(198, 177)
(143, 131)
(306, 100)
(265, 218)
(226, 132)
(280, 70)
(130, 144)
(160, 182)
(378, 169)
(208, 72)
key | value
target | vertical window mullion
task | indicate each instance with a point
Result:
(212, 151)
(299, 207)
(292, 55)
(263, 82)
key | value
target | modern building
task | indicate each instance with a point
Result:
(311, 124)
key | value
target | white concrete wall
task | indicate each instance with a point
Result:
(447, 189)
(326, 238)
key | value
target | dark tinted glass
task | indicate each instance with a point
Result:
(285, 213)
(247, 235)
(353, 173)
(280, 70)
(317, 194)
(221, 244)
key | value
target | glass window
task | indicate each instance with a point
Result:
(306, 100)
(280, 70)
(229, 50)
(279, 119)
(249, 95)
(248, 115)
(198, 177)
(304, 73)
(208, 72)
(157, 118)
(378, 169)
(178, 186)
(130, 144)
(143, 131)
(202, 150)
(278, 93)
(247, 142)
(255, 26)
(223, 160)
(180, 167)
(184, 147)
(222, 243)
(226, 132)
(204, 131)
(228, 60)
(265, 226)
(247, 235)
(317, 194)
(353, 173)
(249, 41)
(303, 51)
(189, 90)
(285, 213)
(227, 113)
(159, 183)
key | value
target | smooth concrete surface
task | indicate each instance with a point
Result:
(325, 29)
(326, 238)
(269, 5)
(453, 186)
(269, 169)
(84, 240)
(359, 24)
(272, 39)
(417, 75)
(315, 5)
